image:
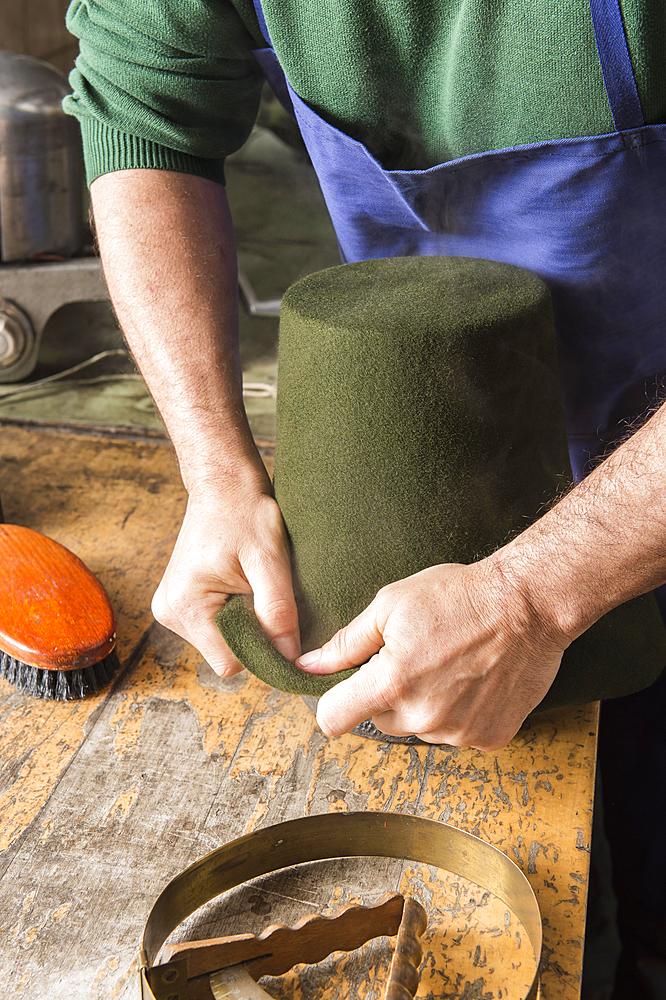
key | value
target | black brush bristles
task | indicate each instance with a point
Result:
(59, 685)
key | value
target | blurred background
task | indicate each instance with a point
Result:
(282, 230)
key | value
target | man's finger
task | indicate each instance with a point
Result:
(361, 696)
(392, 724)
(215, 651)
(195, 624)
(206, 637)
(352, 646)
(275, 605)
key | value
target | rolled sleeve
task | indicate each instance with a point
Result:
(162, 84)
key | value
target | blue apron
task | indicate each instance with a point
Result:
(587, 214)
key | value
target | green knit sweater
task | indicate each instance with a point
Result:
(172, 84)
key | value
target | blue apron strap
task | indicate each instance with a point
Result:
(616, 65)
(270, 65)
(262, 21)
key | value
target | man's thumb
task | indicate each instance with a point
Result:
(352, 646)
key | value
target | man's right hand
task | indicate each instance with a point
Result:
(229, 543)
(167, 245)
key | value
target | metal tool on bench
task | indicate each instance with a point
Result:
(233, 964)
(46, 258)
(196, 970)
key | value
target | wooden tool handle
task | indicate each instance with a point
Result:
(403, 977)
(278, 949)
(54, 614)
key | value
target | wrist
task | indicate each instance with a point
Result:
(552, 602)
(235, 473)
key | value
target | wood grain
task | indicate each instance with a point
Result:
(309, 941)
(102, 802)
(54, 613)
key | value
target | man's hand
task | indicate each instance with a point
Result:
(229, 544)
(451, 654)
(167, 245)
(462, 654)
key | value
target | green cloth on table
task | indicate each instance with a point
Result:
(172, 84)
(419, 422)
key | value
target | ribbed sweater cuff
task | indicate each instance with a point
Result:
(106, 149)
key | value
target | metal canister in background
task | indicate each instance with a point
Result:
(41, 169)
(42, 215)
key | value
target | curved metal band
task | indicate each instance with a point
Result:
(340, 835)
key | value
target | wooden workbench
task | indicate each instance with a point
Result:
(102, 801)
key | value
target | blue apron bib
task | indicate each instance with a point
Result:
(587, 214)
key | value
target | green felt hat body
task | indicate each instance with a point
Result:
(420, 422)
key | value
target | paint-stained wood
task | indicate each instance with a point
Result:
(102, 802)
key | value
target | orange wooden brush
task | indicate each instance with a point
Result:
(57, 629)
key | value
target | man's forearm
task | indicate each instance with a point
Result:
(603, 543)
(167, 246)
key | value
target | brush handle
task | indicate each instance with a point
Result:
(54, 613)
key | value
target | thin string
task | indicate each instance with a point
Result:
(251, 390)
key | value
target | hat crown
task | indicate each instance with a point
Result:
(419, 421)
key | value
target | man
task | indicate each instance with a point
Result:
(401, 106)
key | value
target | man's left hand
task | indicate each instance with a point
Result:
(453, 654)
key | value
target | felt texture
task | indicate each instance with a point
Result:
(420, 422)
(244, 635)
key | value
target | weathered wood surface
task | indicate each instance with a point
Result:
(103, 801)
